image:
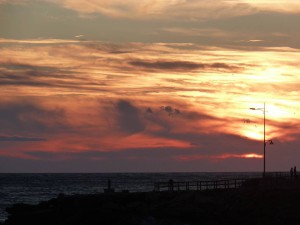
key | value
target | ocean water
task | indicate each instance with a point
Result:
(33, 188)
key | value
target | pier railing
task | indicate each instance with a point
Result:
(275, 179)
(279, 175)
(198, 185)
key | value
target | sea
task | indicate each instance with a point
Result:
(33, 188)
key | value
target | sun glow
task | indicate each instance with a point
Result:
(253, 134)
(253, 155)
(276, 112)
(274, 74)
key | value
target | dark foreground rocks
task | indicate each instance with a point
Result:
(243, 206)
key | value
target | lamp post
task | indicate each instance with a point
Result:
(265, 142)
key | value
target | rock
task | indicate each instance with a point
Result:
(255, 206)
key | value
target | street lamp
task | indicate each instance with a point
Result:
(265, 142)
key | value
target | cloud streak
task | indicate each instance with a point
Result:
(20, 139)
(181, 65)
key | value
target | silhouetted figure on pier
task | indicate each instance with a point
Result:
(295, 172)
(109, 189)
(171, 185)
(108, 184)
(292, 172)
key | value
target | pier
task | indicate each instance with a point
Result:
(198, 185)
(273, 198)
(271, 178)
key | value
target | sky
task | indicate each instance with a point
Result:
(149, 85)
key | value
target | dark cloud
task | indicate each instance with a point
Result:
(23, 116)
(180, 65)
(129, 117)
(21, 66)
(170, 110)
(42, 76)
(222, 66)
(167, 65)
(112, 48)
(178, 116)
(20, 139)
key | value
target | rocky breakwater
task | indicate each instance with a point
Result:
(240, 206)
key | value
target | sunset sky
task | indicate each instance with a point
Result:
(149, 85)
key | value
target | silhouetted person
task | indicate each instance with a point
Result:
(109, 189)
(292, 172)
(171, 185)
(108, 184)
(295, 172)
